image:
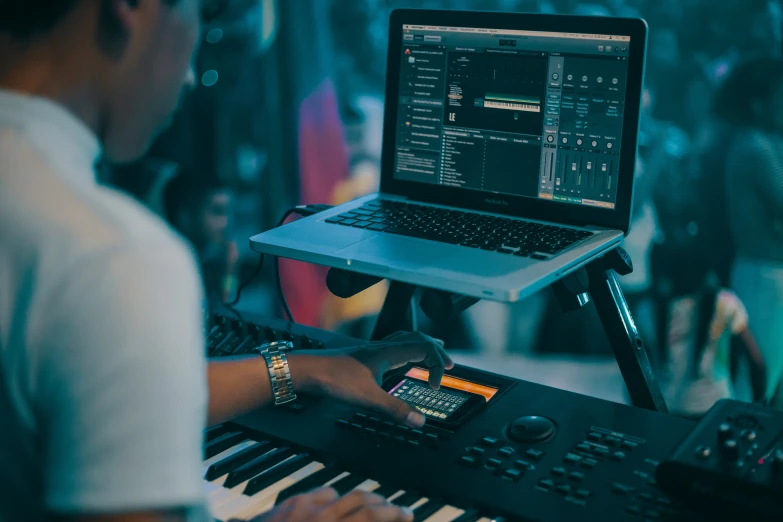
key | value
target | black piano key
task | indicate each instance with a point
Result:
(406, 499)
(422, 513)
(215, 431)
(345, 485)
(385, 490)
(256, 466)
(470, 515)
(317, 479)
(222, 443)
(275, 473)
(232, 462)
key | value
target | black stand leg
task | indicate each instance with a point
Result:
(621, 331)
(395, 314)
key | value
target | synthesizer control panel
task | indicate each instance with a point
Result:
(530, 453)
(732, 461)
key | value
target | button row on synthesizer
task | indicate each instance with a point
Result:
(252, 475)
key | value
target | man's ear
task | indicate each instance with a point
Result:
(116, 23)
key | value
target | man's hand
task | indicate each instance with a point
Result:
(323, 505)
(354, 374)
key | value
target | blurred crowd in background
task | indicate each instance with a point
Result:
(288, 110)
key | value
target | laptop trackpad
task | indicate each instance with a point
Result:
(394, 251)
(429, 258)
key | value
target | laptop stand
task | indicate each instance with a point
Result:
(596, 281)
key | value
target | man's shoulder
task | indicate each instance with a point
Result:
(48, 216)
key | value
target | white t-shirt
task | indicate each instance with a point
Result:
(102, 371)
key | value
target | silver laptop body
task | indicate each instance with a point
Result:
(508, 155)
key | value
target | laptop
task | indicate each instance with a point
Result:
(509, 147)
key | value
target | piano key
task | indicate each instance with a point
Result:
(446, 514)
(395, 496)
(225, 495)
(368, 485)
(212, 433)
(276, 473)
(232, 462)
(266, 500)
(348, 483)
(222, 443)
(423, 513)
(230, 451)
(320, 478)
(407, 499)
(257, 465)
(230, 508)
(419, 503)
(336, 479)
(470, 516)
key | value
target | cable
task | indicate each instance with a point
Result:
(304, 211)
(301, 210)
(247, 281)
(281, 293)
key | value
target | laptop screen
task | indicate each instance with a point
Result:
(523, 113)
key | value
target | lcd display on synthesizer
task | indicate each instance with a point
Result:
(449, 405)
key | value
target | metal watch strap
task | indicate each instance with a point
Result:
(279, 372)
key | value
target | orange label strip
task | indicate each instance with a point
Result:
(454, 383)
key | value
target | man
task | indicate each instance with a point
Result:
(103, 383)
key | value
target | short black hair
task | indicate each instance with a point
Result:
(24, 19)
(753, 81)
(27, 18)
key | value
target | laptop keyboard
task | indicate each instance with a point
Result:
(455, 227)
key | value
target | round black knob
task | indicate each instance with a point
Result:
(531, 429)
(731, 450)
(724, 432)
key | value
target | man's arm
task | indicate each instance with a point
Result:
(239, 385)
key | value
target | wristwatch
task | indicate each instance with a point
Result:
(279, 373)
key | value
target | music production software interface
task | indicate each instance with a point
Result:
(523, 113)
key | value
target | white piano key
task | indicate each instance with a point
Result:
(391, 498)
(485, 519)
(419, 502)
(336, 479)
(265, 500)
(368, 485)
(223, 495)
(446, 514)
(230, 451)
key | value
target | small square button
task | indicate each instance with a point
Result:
(523, 464)
(564, 489)
(493, 463)
(617, 455)
(576, 476)
(594, 436)
(506, 452)
(588, 463)
(512, 474)
(546, 484)
(572, 459)
(466, 460)
(559, 472)
(627, 444)
(581, 493)
(475, 450)
(534, 454)
(489, 441)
